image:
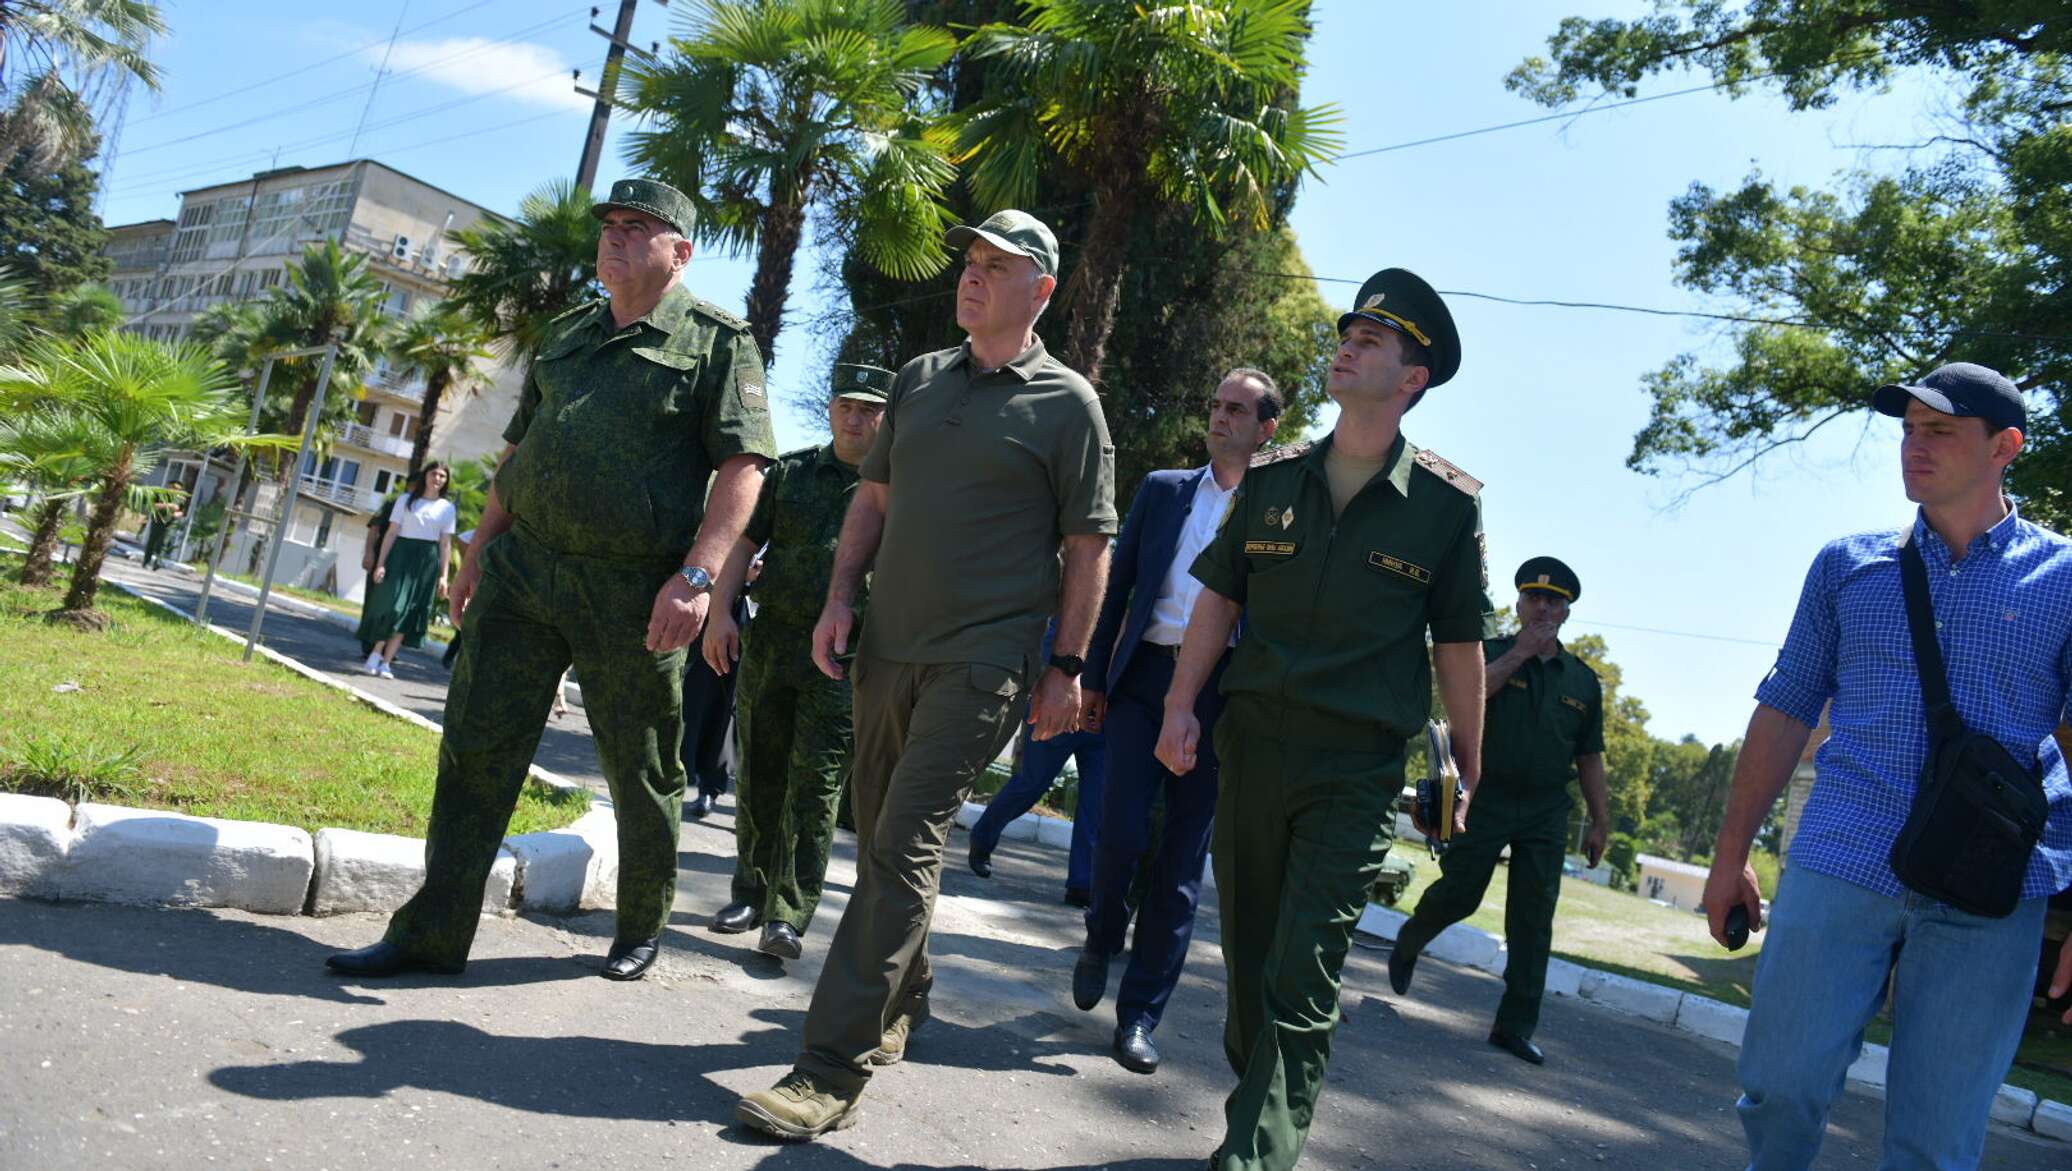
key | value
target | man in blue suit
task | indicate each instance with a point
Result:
(1129, 666)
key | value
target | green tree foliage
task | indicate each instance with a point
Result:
(53, 55)
(765, 111)
(445, 345)
(524, 273)
(49, 234)
(1964, 253)
(1629, 750)
(83, 310)
(1688, 785)
(1183, 107)
(57, 453)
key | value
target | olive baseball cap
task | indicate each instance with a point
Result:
(651, 197)
(1014, 231)
(1964, 389)
(872, 384)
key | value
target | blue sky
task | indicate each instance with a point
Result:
(1692, 599)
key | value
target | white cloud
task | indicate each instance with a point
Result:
(519, 72)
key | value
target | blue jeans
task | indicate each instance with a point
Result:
(1961, 986)
(1042, 761)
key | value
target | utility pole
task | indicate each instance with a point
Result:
(292, 488)
(601, 113)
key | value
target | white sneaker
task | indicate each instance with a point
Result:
(373, 664)
(384, 671)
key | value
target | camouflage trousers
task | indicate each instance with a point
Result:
(535, 611)
(795, 734)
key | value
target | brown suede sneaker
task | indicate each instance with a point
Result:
(893, 1045)
(800, 1106)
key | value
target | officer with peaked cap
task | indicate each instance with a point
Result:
(1544, 725)
(794, 722)
(597, 546)
(1342, 556)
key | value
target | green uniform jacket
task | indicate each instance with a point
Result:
(798, 514)
(1543, 717)
(617, 431)
(1336, 611)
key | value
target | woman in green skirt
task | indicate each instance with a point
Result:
(410, 571)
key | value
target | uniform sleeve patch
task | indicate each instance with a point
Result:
(1416, 573)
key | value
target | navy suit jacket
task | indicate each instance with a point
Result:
(1143, 553)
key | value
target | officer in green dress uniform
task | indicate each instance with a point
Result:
(1543, 724)
(1342, 555)
(597, 546)
(793, 721)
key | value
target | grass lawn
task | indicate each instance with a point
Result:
(213, 736)
(1621, 932)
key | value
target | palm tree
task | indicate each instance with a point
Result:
(147, 398)
(523, 273)
(57, 452)
(51, 54)
(444, 345)
(766, 110)
(15, 318)
(330, 293)
(1184, 105)
(84, 310)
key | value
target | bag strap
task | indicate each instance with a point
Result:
(1944, 723)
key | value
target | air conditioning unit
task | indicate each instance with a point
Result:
(401, 249)
(455, 266)
(429, 257)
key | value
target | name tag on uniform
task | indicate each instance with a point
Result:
(1276, 548)
(1515, 681)
(1416, 573)
(1575, 703)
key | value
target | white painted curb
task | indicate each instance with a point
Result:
(35, 833)
(358, 871)
(147, 856)
(569, 869)
(2014, 1106)
(1710, 1018)
(2053, 1120)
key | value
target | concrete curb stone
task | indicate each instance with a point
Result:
(149, 856)
(35, 834)
(1709, 1018)
(2053, 1120)
(1630, 996)
(1054, 831)
(2014, 1106)
(359, 871)
(568, 869)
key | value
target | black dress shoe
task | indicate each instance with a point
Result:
(1402, 962)
(386, 959)
(630, 961)
(1089, 979)
(1078, 896)
(697, 807)
(734, 918)
(1517, 1047)
(981, 861)
(779, 940)
(1134, 1050)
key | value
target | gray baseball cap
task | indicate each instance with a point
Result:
(1013, 231)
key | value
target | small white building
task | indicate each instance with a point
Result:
(1680, 884)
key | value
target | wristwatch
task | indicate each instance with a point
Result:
(695, 576)
(1071, 665)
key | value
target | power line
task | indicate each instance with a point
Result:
(1765, 644)
(302, 70)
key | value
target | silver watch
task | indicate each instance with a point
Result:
(696, 577)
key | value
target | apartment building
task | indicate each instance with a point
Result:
(234, 241)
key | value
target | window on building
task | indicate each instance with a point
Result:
(403, 426)
(382, 480)
(365, 412)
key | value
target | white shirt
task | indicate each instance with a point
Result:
(425, 520)
(1177, 593)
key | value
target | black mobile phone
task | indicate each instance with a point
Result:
(1737, 927)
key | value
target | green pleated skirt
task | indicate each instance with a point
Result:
(402, 603)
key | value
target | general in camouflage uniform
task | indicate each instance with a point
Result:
(794, 722)
(593, 548)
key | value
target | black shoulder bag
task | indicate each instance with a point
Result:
(1977, 813)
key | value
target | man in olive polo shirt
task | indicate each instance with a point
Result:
(597, 546)
(795, 723)
(1341, 555)
(990, 478)
(1544, 723)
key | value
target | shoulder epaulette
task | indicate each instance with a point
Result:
(1274, 455)
(1438, 465)
(580, 309)
(802, 453)
(718, 314)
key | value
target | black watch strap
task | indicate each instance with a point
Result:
(1071, 665)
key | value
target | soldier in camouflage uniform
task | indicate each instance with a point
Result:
(595, 546)
(794, 722)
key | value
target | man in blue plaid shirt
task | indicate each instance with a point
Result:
(1841, 922)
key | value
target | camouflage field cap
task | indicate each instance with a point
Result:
(1402, 301)
(650, 197)
(1015, 231)
(871, 384)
